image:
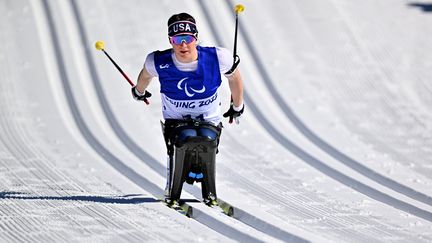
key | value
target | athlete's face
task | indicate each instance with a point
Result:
(184, 47)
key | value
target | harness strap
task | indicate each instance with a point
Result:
(172, 126)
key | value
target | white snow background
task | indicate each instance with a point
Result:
(335, 144)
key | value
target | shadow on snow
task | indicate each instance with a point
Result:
(425, 7)
(126, 199)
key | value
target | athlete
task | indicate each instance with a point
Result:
(190, 78)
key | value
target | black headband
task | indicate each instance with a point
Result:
(182, 28)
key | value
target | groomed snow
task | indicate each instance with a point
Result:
(334, 146)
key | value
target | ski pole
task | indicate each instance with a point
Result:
(237, 9)
(100, 46)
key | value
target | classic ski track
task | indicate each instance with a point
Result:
(312, 212)
(82, 187)
(409, 111)
(244, 183)
(205, 219)
(87, 133)
(314, 162)
(153, 163)
(393, 107)
(16, 136)
(424, 88)
(399, 109)
(156, 165)
(255, 58)
(315, 139)
(249, 220)
(341, 157)
(44, 172)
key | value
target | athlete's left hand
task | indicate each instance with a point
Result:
(234, 113)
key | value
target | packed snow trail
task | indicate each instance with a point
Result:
(46, 194)
(141, 181)
(85, 164)
(316, 163)
(243, 216)
(126, 44)
(301, 126)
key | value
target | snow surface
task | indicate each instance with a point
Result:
(335, 144)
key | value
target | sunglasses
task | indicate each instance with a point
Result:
(179, 39)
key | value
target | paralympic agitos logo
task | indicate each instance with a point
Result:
(189, 91)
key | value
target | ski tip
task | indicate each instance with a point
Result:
(189, 212)
(226, 208)
(187, 209)
(230, 212)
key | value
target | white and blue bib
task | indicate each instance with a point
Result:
(190, 94)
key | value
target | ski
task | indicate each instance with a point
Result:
(226, 208)
(180, 207)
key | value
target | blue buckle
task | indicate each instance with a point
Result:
(192, 175)
(196, 176)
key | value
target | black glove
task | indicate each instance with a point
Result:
(233, 114)
(140, 97)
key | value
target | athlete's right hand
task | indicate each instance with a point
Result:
(140, 96)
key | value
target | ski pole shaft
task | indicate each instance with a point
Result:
(118, 68)
(236, 59)
(235, 38)
(100, 46)
(238, 9)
